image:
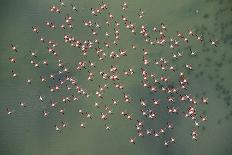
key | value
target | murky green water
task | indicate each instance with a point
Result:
(28, 133)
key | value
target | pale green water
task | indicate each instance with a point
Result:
(28, 133)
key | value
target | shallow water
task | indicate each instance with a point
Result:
(28, 133)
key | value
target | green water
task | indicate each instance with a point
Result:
(27, 132)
